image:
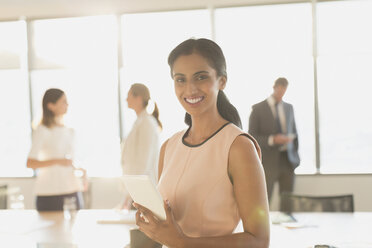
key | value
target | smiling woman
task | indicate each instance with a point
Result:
(210, 174)
(211, 58)
(196, 85)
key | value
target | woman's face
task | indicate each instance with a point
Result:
(133, 101)
(196, 84)
(60, 107)
(130, 99)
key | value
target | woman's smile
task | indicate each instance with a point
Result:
(193, 101)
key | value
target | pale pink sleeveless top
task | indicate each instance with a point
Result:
(195, 181)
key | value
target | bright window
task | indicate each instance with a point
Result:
(270, 42)
(79, 56)
(15, 131)
(147, 41)
(261, 43)
(344, 76)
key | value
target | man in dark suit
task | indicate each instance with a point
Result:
(272, 123)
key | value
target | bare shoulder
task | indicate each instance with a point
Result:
(243, 145)
(243, 154)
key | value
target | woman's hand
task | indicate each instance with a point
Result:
(166, 232)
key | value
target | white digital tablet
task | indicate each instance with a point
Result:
(143, 191)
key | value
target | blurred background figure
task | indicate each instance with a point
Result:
(273, 125)
(140, 149)
(51, 156)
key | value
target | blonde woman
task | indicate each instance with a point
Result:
(141, 147)
(51, 156)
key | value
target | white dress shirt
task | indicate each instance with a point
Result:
(271, 101)
(54, 143)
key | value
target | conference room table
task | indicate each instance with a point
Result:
(110, 228)
(341, 230)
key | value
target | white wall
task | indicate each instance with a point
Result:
(106, 192)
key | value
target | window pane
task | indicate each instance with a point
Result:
(345, 62)
(15, 128)
(11, 44)
(147, 41)
(271, 42)
(87, 72)
(74, 42)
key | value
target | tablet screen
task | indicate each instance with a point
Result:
(143, 191)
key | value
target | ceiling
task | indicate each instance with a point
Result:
(39, 9)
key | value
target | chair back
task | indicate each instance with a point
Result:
(305, 203)
(3, 197)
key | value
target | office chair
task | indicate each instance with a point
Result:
(3, 196)
(305, 203)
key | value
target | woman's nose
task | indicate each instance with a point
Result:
(191, 88)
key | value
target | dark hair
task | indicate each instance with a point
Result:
(50, 96)
(281, 81)
(214, 55)
(142, 91)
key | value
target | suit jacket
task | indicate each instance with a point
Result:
(262, 124)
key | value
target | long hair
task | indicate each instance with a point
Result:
(214, 55)
(50, 96)
(142, 91)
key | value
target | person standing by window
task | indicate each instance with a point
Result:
(141, 147)
(52, 154)
(272, 123)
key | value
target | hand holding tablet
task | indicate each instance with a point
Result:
(143, 191)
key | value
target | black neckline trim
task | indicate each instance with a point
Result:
(189, 145)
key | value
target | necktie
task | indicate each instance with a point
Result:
(277, 119)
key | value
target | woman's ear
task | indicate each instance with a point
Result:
(139, 100)
(51, 106)
(222, 82)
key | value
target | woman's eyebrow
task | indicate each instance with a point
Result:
(200, 72)
(196, 73)
(178, 74)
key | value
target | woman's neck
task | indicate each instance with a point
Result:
(58, 121)
(139, 111)
(203, 128)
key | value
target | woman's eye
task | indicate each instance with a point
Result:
(179, 80)
(201, 77)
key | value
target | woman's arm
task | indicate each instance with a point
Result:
(35, 164)
(249, 186)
